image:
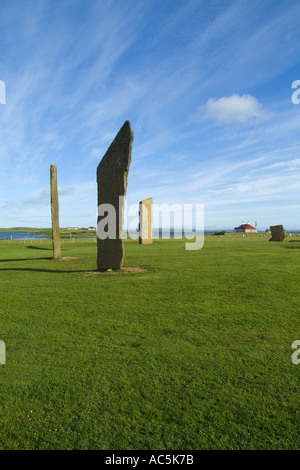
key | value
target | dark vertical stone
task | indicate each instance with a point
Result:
(54, 212)
(112, 174)
(278, 233)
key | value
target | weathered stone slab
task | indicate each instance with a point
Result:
(278, 233)
(54, 212)
(112, 174)
(145, 206)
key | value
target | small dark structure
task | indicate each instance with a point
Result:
(278, 233)
(222, 232)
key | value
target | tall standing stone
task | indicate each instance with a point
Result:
(145, 237)
(54, 212)
(112, 174)
(278, 233)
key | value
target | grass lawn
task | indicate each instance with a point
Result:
(193, 354)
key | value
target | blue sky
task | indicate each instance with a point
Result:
(207, 86)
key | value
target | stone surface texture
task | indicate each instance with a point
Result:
(278, 233)
(112, 174)
(145, 237)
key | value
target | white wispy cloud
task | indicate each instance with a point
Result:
(76, 70)
(44, 196)
(233, 109)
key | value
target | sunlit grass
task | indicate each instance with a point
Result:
(195, 353)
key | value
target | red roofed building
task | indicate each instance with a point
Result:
(246, 228)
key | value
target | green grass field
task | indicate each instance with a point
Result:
(193, 354)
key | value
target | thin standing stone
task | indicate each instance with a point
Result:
(54, 212)
(145, 237)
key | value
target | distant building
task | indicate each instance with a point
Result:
(245, 228)
(72, 228)
(92, 228)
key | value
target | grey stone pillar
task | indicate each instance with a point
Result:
(112, 174)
